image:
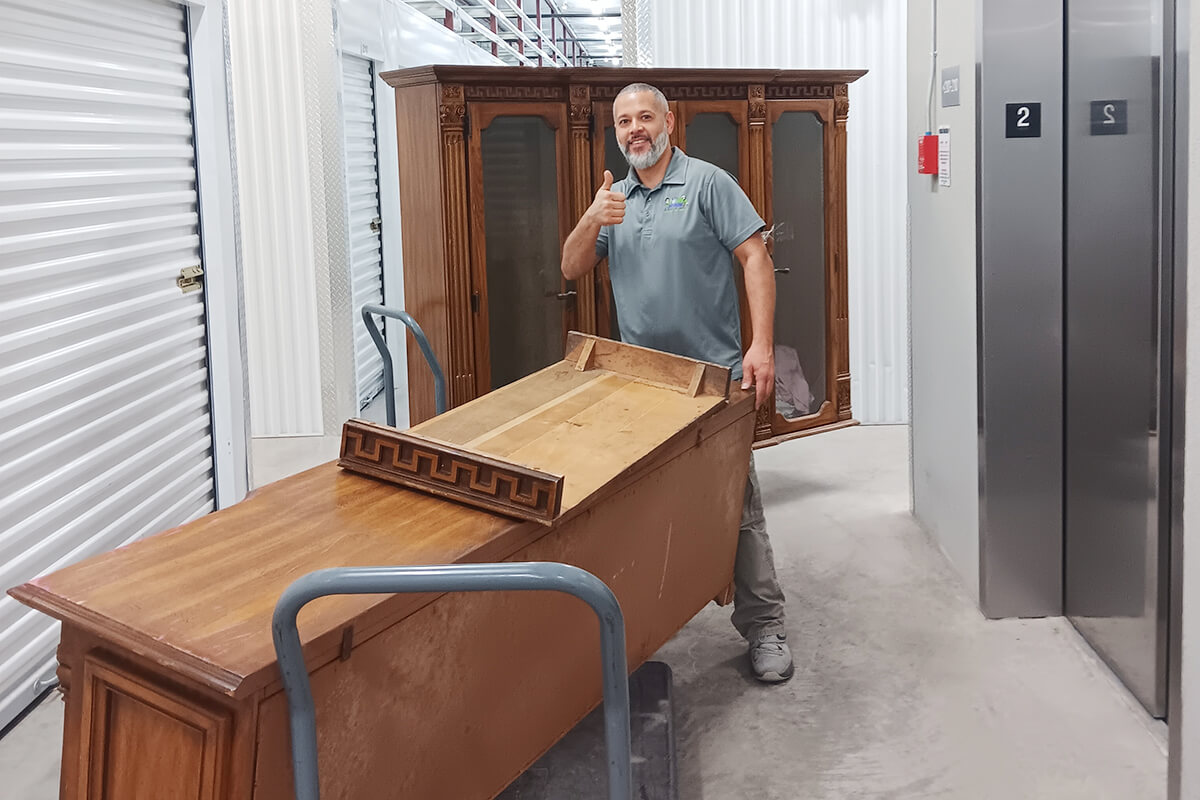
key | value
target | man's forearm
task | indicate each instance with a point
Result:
(759, 272)
(579, 251)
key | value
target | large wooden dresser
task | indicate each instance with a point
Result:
(628, 463)
(497, 164)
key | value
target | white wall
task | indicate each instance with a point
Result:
(271, 115)
(395, 36)
(286, 77)
(858, 34)
(942, 263)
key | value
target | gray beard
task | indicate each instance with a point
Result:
(651, 156)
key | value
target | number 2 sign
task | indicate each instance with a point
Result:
(1022, 120)
(1110, 117)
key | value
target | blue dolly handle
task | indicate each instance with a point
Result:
(520, 576)
(389, 383)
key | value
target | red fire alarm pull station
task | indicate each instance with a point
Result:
(927, 154)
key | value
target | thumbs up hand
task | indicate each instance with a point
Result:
(609, 207)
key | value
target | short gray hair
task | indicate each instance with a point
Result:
(660, 99)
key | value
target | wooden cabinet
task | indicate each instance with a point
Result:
(497, 164)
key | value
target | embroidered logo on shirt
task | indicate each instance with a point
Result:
(677, 203)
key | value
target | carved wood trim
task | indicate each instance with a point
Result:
(806, 91)
(843, 396)
(581, 197)
(447, 471)
(841, 102)
(461, 369)
(759, 181)
(453, 106)
(758, 104)
(510, 92)
(840, 237)
(726, 91)
(601, 281)
(581, 106)
(763, 417)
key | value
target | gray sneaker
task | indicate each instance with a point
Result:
(771, 659)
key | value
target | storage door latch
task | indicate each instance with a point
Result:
(190, 279)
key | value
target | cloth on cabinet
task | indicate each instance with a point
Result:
(791, 387)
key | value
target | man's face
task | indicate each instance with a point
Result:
(643, 128)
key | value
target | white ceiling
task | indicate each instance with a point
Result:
(594, 24)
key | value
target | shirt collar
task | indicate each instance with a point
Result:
(676, 170)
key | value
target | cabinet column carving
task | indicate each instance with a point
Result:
(841, 109)
(756, 94)
(581, 180)
(460, 371)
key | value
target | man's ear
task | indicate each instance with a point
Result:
(670, 122)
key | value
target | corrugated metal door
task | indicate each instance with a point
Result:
(362, 187)
(104, 398)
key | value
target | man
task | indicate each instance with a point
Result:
(668, 230)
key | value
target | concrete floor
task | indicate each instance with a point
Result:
(902, 690)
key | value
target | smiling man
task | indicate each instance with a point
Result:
(668, 229)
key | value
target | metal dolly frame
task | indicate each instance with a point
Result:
(519, 576)
(389, 382)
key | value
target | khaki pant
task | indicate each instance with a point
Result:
(757, 598)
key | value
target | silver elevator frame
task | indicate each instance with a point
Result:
(1032, 490)
(1019, 211)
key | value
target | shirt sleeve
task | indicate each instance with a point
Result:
(602, 242)
(729, 211)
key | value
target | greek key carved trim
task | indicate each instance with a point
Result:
(447, 471)
(810, 91)
(477, 92)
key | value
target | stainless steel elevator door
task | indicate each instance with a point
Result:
(1115, 550)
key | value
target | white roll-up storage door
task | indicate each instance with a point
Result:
(104, 400)
(362, 187)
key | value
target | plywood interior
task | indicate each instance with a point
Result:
(588, 426)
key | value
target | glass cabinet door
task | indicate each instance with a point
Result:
(799, 144)
(518, 201)
(715, 131)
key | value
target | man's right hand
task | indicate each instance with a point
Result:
(609, 207)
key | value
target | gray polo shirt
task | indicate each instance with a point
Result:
(670, 261)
